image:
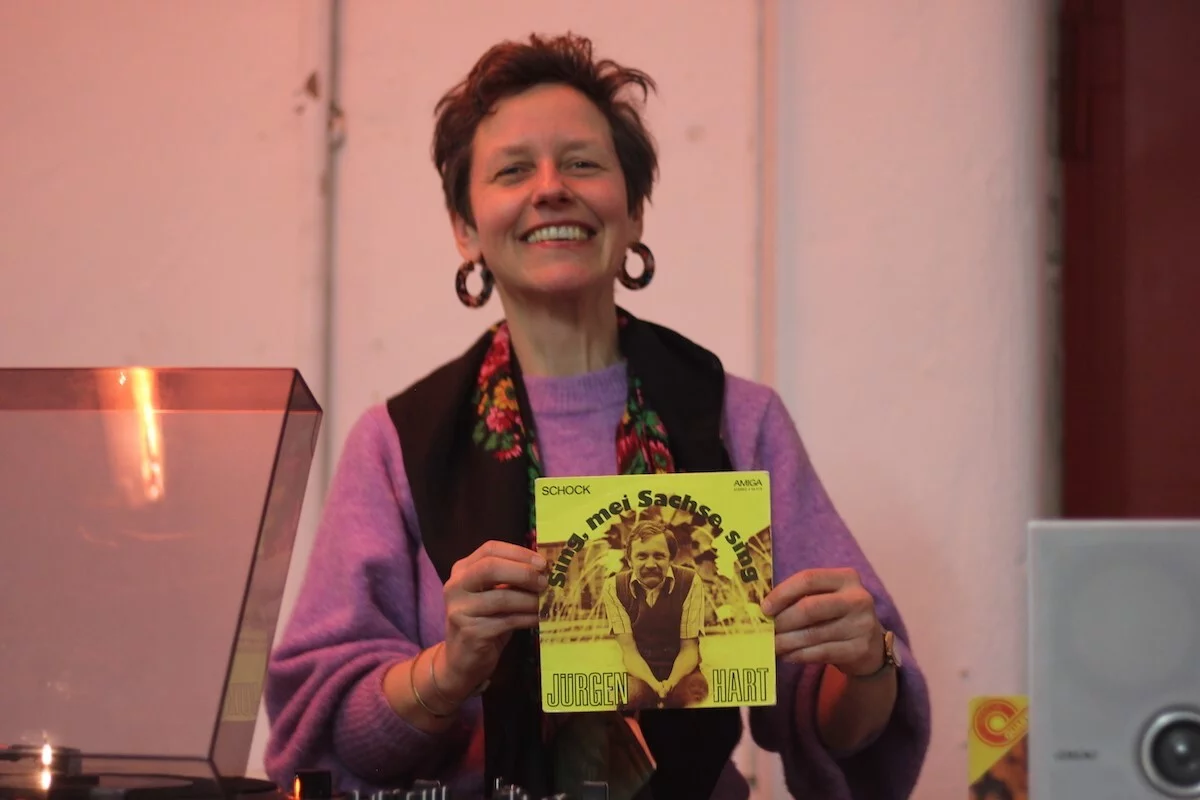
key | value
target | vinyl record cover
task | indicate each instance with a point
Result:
(655, 589)
(998, 747)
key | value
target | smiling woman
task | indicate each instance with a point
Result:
(547, 204)
(546, 180)
(411, 650)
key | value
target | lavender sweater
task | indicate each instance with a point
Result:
(371, 598)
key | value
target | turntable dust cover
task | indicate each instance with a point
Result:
(655, 589)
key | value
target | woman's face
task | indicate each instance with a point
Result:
(548, 195)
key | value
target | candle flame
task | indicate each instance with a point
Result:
(47, 755)
(296, 788)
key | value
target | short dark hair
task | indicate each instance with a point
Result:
(510, 68)
(648, 529)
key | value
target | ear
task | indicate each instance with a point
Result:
(466, 238)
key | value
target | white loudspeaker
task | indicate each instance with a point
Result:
(1114, 660)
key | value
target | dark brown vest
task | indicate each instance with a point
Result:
(656, 627)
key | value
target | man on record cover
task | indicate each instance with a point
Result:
(656, 610)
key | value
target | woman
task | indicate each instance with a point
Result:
(414, 630)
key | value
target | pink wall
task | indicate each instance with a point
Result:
(914, 256)
(851, 207)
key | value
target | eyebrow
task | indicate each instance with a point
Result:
(514, 150)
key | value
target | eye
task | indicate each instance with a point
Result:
(583, 164)
(510, 170)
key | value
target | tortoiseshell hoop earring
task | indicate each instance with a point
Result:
(460, 284)
(643, 280)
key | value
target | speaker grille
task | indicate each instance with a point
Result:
(1114, 640)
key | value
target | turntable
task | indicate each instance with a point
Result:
(147, 521)
(147, 518)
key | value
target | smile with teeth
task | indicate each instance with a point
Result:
(559, 233)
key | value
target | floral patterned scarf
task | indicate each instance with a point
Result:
(642, 443)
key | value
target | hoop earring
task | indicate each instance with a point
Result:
(460, 284)
(643, 280)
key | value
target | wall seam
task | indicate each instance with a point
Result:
(334, 139)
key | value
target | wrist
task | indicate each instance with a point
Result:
(430, 700)
(446, 682)
(883, 658)
(455, 687)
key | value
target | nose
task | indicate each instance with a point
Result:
(549, 187)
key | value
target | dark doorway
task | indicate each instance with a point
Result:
(1130, 127)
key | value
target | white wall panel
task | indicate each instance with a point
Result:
(160, 186)
(161, 192)
(912, 335)
(159, 182)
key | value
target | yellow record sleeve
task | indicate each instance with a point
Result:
(655, 589)
(998, 747)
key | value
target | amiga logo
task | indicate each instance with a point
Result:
(999, 722)
(747, 484)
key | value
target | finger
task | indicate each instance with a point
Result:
(500, 601)
(813, 610)
(805, 583)
(482, 629)
(520, 621)
(494, 627)
(830, 653)
(505, 550)
(839, 630)
(492, 571)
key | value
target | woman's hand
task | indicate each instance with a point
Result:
(491, 593)
(826, 616)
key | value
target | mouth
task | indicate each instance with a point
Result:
(559, 232)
